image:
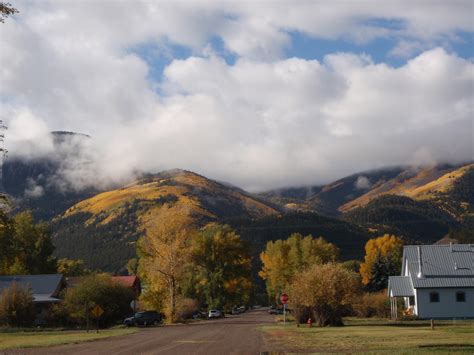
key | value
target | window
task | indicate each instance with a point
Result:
(434, 297)
(411, 301)
(460, 296)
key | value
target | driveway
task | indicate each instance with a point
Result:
(236, 334)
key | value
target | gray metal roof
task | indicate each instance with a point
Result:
(43, 285)
(400, 286)
(442, 265)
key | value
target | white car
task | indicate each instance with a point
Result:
(215, 313)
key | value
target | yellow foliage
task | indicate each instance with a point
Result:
(387, 246)
(186, 186)
(283, 258)
(326, 289)
(426, 184)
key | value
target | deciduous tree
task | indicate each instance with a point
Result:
(27, 247)
(383, 256)
(69, 267)
(164, 256)
(221, 266)
(283, 258)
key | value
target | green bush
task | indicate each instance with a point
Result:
(16, 306)
(96, 290)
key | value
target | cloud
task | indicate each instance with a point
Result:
(33, 190)
(362, 183)
(262, 121)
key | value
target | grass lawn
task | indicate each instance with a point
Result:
(376, 336)
(10, 339)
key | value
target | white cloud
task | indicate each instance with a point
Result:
(362, 183)
(262, 122)
(33, 190)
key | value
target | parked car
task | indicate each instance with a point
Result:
(144, 318)
(235, 310)
(199, 315)
(215, 313)
(274, 310)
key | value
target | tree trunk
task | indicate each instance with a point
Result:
(326, 316)
(172, 300)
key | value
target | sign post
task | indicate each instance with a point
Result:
(284, 301)
(97, 311)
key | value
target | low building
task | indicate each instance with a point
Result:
(132, 282)
(437, 281)
(45, 289)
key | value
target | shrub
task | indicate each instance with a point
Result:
(99, 290)
(372, 305)
(327, 289)
(16, 306)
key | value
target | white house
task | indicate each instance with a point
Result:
(437, 281)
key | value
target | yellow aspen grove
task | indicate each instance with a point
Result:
(387, 248)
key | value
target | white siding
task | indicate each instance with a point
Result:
(447, 307)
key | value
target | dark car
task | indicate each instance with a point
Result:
(144, 318)
(199, 315)
(275, 310)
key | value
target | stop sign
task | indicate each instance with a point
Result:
(284, 298)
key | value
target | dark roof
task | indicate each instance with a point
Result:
(400, 286)
(442, 265)
(45, 285)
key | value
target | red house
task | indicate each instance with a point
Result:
(132, 282)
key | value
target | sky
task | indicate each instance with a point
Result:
(260, 94)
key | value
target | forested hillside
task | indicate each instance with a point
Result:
(418, 221)
(441, 206)
(103, 230)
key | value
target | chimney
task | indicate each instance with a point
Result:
(420, 264)
(451, 246)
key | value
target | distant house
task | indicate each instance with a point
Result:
(437, 281)
(45, 289)
(132, 282)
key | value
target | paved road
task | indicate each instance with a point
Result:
(231, 335)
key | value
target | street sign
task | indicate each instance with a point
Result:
(284, 298)
(97, 311)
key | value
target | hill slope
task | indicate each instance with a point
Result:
(423, 211)
(421, 185)
(103, 229)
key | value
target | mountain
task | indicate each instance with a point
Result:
(422, 184)
(429, 183)
(103, 229)
(37, 185)
(327, 199)
(420, 204)
(423, 210)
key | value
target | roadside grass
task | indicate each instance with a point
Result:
(27, 338)
(376, 336)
